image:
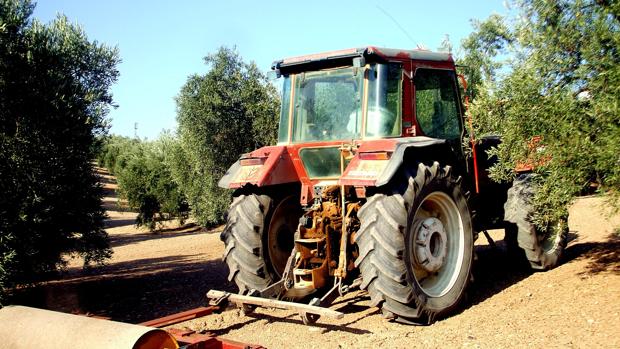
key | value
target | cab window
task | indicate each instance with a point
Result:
(436, 103)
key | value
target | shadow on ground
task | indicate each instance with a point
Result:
(109, 192)
(144, 289)
(131, 292)
(602, 256)
(105, 178)
(127, 239)
(115, 223)
(496, 269)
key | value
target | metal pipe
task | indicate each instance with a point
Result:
(274, 303)
(24, 327)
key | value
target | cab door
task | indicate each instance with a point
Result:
(438, 109)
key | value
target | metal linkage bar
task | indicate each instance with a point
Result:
(273, 303)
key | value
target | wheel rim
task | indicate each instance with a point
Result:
(437, 244)
(281, 235)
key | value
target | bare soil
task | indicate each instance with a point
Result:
(152, 275)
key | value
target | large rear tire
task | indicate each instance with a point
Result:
(258, 238)
(416, 245)
(543, 248)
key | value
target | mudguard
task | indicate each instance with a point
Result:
(262, 167)
(397, 157)
(366, 170)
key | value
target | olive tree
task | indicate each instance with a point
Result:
(54, 97)
(230, 110)
(562, 83)
(145, 180)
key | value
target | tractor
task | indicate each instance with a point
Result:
(376, 182)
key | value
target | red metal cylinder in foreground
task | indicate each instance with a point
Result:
(24, 327)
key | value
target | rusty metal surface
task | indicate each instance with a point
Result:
(24, 327)
(180, 317)
(320, 56)
(193, 340)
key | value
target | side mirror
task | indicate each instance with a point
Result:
(274, 74)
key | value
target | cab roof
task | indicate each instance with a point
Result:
(368, 52)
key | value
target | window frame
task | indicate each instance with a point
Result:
(459, 106)
(290, 119)
(400, 105)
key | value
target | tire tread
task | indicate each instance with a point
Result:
(381, 243)
(243, 244)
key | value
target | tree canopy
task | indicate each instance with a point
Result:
(228, 111)
(54, 97)
(561, 83)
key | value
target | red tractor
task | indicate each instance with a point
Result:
(372, 185)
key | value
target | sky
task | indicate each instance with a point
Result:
(161, 43)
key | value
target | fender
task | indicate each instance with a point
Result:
(262, 167)
(396, 160)
(376, 162)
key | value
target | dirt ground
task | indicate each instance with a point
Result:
(152, 275)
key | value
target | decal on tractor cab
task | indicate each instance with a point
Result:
(368, 169)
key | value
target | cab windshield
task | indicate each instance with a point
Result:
(329, 105)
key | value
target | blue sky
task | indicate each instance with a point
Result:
(161, 43)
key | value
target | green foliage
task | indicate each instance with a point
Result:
(228, 111)
(113, 149)
(145, 179)
(54, 96)
(563, 84)
(491, 38)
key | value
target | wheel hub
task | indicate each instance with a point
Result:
(430, 244)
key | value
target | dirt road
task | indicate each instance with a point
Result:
(150, 275)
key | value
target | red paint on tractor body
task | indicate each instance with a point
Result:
(282, 164)
(276, 168)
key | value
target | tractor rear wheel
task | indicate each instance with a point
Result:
(543, 248)
(259, 238)
(416, 245)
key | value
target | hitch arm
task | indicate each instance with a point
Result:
(274, 303)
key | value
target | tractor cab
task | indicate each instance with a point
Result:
(368, 93)
(345, 113)
(342, 104)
